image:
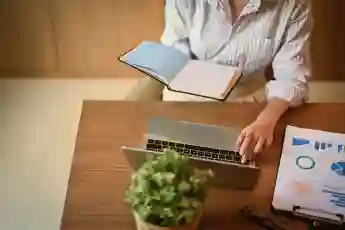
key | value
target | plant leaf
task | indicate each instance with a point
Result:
(184, 186)
(167, 191)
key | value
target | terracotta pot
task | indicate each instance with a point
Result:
(142, 225)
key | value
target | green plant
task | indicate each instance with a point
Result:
(167, 191)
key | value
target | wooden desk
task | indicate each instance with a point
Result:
(100, 173)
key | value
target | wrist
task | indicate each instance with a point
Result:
(267, 119)
(272, 112)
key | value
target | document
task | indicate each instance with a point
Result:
(311, 174)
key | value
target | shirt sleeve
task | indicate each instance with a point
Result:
(291, 65)
(178, 14)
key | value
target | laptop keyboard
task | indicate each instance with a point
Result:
(195, 151)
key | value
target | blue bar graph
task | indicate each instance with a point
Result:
(300, 141)
(318, 145)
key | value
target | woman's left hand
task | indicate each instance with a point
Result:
(255, 137)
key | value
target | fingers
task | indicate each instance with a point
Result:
(245, 144)
(240, 140)
(241, 145)
(254, 138)
(244, 158)
(269, 141)
(259, 145)
(247, 157)
(250, 144)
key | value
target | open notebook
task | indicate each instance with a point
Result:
(180, 73)
(311, 176)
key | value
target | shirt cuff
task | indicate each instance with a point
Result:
(293, 92)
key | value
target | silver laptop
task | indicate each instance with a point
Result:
(208, 146)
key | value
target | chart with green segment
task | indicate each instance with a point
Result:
(311, 174)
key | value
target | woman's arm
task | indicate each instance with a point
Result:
(273, 111)
(178, 16)
(291, 65)
(292, 70)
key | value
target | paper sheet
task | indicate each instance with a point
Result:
(205, 78)
(157, 59)
(312, 173)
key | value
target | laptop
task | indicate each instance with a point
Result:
(207, 147)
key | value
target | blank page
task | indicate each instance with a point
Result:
(206, 79)
(164, 61)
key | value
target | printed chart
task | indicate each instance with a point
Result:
(311, 173)
(338, 168)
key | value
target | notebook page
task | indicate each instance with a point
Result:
(205, 79)
(152, 73)
(157, 58)
(311, 173)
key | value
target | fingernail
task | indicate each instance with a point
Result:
(243, 159)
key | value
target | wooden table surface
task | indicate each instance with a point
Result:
(100, 173)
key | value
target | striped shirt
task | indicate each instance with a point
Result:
(266, 32)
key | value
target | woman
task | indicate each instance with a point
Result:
(252, 34)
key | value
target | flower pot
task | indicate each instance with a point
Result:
(142, 225)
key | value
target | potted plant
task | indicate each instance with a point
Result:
(168, 193)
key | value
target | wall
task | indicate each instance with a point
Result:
(328, 40)
(82, 38)
(74, 38)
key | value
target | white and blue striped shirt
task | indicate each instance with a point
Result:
(266, 32)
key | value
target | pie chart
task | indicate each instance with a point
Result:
(338, 168)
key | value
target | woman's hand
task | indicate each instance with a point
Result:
(255, 138)
(259, 135)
